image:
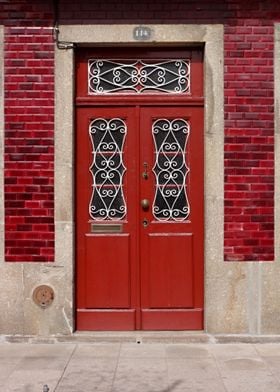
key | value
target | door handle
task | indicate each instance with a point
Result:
(145, 204)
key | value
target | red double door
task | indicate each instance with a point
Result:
(139, 218)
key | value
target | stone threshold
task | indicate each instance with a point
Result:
(139, 337)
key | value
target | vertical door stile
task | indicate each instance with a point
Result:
(135, 207)
(146, 157)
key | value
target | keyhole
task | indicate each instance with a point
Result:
(145, 222)
(145, 172)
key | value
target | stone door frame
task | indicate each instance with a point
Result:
(211, 37)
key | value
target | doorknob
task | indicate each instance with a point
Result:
(145, 204)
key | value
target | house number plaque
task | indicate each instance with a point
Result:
(142, 33)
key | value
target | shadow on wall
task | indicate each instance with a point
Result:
(133, 11)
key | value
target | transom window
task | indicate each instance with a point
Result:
(138, 76)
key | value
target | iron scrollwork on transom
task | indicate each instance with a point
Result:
(107, 169)
(170, 169)
(137, 76)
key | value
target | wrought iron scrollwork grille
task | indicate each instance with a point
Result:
(137, 76)
(107, 169)
(170, 169)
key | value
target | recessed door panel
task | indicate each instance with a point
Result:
(170, 283)
(108, 272)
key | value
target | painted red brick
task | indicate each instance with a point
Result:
(249, 114)
(29, 139)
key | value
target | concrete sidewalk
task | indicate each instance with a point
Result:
(132, 367)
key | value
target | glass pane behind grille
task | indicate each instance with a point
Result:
(107, 169)
(116, 76)
(170, 169)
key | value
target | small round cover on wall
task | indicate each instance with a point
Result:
(43, 296)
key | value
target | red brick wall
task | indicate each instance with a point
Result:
(249, 144)
(29, 126)
(29, 100)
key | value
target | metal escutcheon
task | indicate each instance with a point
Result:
(145, 223)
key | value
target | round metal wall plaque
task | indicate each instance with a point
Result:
(43, 296)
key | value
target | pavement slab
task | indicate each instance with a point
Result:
(110, 350)
(142, 350)
(179, 351)
(270, 354)
(194, 374)
(34, 366)
(140, 367)
(141, 375)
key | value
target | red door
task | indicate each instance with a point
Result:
(140, 218)
(139, 189)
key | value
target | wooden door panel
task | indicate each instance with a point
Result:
(172, 234)
(108, 283)
(170, 271)
(106, 320)
(172, 319)
(107, 270)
